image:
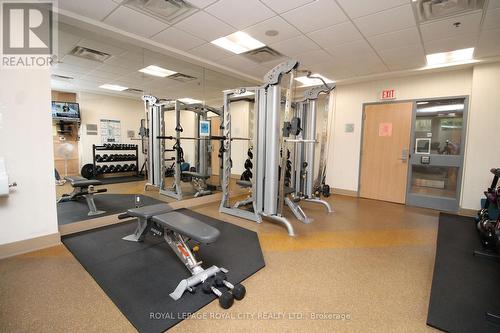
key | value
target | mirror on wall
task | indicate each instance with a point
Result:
(98, 112)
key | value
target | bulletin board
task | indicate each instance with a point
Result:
(110, 131)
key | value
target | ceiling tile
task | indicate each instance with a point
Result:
(281, 6)
(489, 44)
(359, 8)
(452, 43)
(294, 46)
(285, 30)
(95, 9)
(351, 51)
(316, 15)
(81, 62)
(237, 62)
(178, 39)
(413, 54)
(469, 23)
(313, 57)
(210, 52)
(492, 19)
(205, 26)
(493, 4)
(132, 21)
(240, 14)
(337, 34)
(201, 3)
(395, 39)
(389, 20)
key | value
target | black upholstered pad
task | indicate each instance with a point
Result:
(195, 174)
(77, 181)
(148, 212)
(244, 183)
(188, 226)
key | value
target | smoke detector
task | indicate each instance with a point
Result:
(168, 11)
(90, 54)
(262, 55)
(428, 10)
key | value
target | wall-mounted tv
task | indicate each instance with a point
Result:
(65, 111)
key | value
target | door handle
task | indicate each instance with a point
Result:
(404, 155)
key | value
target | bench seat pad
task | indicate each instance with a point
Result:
(188, 226)
(77, 181)
(148, 212)
(244, 183)
(195, 174)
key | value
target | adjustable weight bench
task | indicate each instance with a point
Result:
(178, 229)
(199, 182)
(83, 187)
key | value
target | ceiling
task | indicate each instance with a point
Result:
(341, 39)
(122, 69)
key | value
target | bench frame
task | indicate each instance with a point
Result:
(86, 191)
(178, 244)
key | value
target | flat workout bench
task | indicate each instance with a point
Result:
(199, 182)
(83, 187)
(177, 229)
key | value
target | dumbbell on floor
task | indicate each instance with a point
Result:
(226, 299)
(237, 290)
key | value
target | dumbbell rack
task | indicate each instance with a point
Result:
(115, 151)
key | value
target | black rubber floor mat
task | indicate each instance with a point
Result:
(138, 277)
(464, 287)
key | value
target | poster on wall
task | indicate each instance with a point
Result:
(110, 131)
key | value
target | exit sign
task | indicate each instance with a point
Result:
(388, 94)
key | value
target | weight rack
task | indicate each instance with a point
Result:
(135, 149)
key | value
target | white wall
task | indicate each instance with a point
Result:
(26, 144)
(94, 107)
(343, 158)
(483, 137)
(240, 128)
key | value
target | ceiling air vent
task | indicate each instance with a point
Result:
(262, 55)
(86, 53)
(428, 10)
(181, 77)
(133, 90)
(169, 11)
(61, 77)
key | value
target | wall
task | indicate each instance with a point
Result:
(26, 144)
(94, 107)
(240, 128)
(483, 140)
(344, 148)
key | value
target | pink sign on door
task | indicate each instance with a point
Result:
(385, 129)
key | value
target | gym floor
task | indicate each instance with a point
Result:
(370, 260)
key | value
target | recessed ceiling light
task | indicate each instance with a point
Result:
(422, 103)
(189, 100)
(157, 71)
(445, 58)
(114, 87)
(311, 81)
(238, 42)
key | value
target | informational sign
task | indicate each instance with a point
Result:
(385, 129)
(204, 128)
(388, 94)
(110, 131)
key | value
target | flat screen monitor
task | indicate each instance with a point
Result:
(65, 111)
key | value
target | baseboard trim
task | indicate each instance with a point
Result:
(29, 245)
(340, 191)
(467, 212)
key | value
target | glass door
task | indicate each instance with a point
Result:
(436, 161)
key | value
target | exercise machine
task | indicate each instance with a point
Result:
(277, 133)
(83, 187)
(184, 234)
(157, 142)
(489, 226)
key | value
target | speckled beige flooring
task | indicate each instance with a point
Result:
(369, 262)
